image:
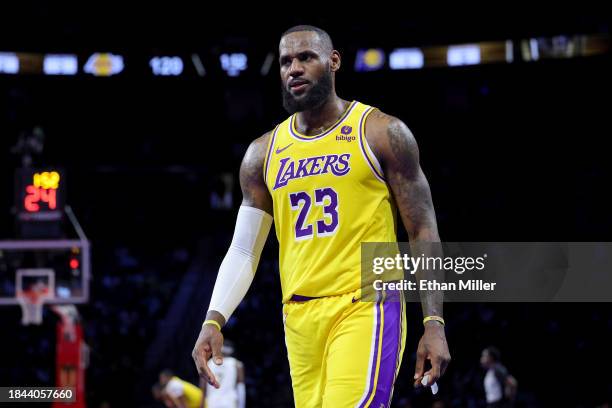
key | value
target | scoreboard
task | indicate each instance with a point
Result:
(39, 194)
(44, 248)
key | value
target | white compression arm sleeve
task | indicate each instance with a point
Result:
(238, 267)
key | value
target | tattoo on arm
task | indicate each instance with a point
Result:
(409, 185)
(413, 198)
(254, 190)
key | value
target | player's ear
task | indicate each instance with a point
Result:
(335, 61)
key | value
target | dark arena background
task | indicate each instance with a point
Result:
(146, 124)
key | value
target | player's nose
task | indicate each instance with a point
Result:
(296, 68)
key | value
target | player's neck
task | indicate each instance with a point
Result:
(318, 120)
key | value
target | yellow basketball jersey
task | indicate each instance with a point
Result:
(193, 394)
(329, 196)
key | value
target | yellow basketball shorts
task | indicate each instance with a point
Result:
(344, 352)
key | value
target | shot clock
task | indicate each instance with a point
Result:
(39, 195)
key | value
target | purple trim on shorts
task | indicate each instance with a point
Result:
(400, 351)
(374, 358)
(389, 358)
(338, 123)
(300, 298)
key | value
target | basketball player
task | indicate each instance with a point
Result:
(500, 387)
(160, 395)
(181, 393)
(230, 375)
(331, 175)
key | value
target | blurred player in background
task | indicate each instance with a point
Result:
(500, 387)
(332, 175)
(181, 393)
(230, 375)
(159, 394)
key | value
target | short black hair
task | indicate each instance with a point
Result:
(323, 35)
(494, 353)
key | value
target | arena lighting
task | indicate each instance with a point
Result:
(166, 66)
(104, 64)
(534, 49)
(468, 54)
(56, 64)
(563, 46)
(234, 63)
(9, 63)
(509, 51)
(406, 58)
(371, 59)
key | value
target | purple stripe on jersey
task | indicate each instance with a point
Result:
(338, 123)
(363, 141)
(371, 385)
(269, 155)
(389, 358)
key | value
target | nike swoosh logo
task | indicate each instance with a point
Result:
(279, 151)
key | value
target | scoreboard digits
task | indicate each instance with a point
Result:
(39, 194)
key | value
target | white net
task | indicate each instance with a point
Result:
(31, 302)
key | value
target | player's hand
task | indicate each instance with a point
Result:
(432, 347)
(208, 345)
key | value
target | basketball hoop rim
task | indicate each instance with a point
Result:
(31, 296)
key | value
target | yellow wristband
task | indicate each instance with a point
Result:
(213, 322)
(436, 318)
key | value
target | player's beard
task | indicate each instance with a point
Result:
(315, 97)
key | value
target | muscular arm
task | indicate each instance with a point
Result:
(238, 267)
(254, 191)
(397, 151)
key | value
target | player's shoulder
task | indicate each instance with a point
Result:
(174, 387)
(379, 122)
(256, 152)
(383, 131)
(262, 141)
(500, 370)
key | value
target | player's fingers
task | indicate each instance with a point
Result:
(426, 381)
(195, 354)
(420, 366)
(434, 372)
(217, 344)
(209, 376)
(444, 364)
(201, 357)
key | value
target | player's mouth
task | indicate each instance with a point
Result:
(298, 86)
